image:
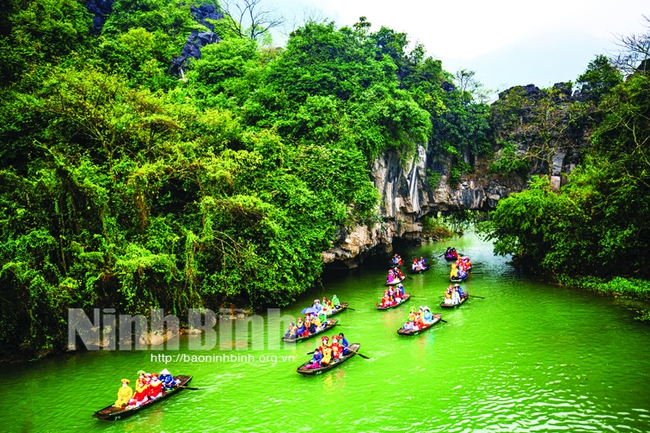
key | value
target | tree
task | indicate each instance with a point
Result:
(41, 31)
(249, 20)
(470, 86)
(635, 51)
(599, 79)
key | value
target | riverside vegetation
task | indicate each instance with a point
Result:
(125, 185)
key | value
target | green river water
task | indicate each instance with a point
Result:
(528, 357)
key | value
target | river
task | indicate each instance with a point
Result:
(526, 356)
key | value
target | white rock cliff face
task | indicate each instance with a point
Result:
(405, 197)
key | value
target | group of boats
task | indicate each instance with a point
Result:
(318, 320)
(454, 296)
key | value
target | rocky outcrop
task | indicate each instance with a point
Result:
(197, 39)
(549, 128)
(100, 9)
(406, 189)
(406, 196)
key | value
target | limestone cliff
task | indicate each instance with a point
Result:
(408, 194)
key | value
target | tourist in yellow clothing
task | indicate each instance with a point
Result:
(124, 394)
(327, 356)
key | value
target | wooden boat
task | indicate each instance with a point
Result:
(453, 275)
(342, 307)
(353, 348)
(404, 299)
(395, 282)
(330, 324)
(436, 318)
(450, 256)
(112, 413)
(462, 301)
(419, 271)
(457, 279)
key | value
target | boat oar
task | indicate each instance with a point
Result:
(360, 354)
(474, 296)
(189, 387)
(350, 308)
(441, 319)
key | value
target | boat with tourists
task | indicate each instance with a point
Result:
(329, 307)
(416, 327)
(328, 325)
(392, 282)
(342, 307)
(395, 276)
(451, 255)
(306, 370)
(463, 299)
(113, 413)
(460, 270)
(387, 305)
(419, 265)
(454, 296)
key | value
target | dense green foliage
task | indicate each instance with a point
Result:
(597, 223)
(126, 186)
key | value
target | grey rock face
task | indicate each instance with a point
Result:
(406, 195)
(100, 9)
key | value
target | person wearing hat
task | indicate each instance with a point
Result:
(391, 278)
(155, 387)
(337, 349)
(326, 309)
(327, 356)
(335, 302)
(324, 342)
(141, 390)
(124, 394)
(317, 306)
(461, 294)
(166, 378)
(300, 328)
(427, 317)
(455, 296)
(419, 322)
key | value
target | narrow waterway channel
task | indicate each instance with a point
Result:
(526, 356)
